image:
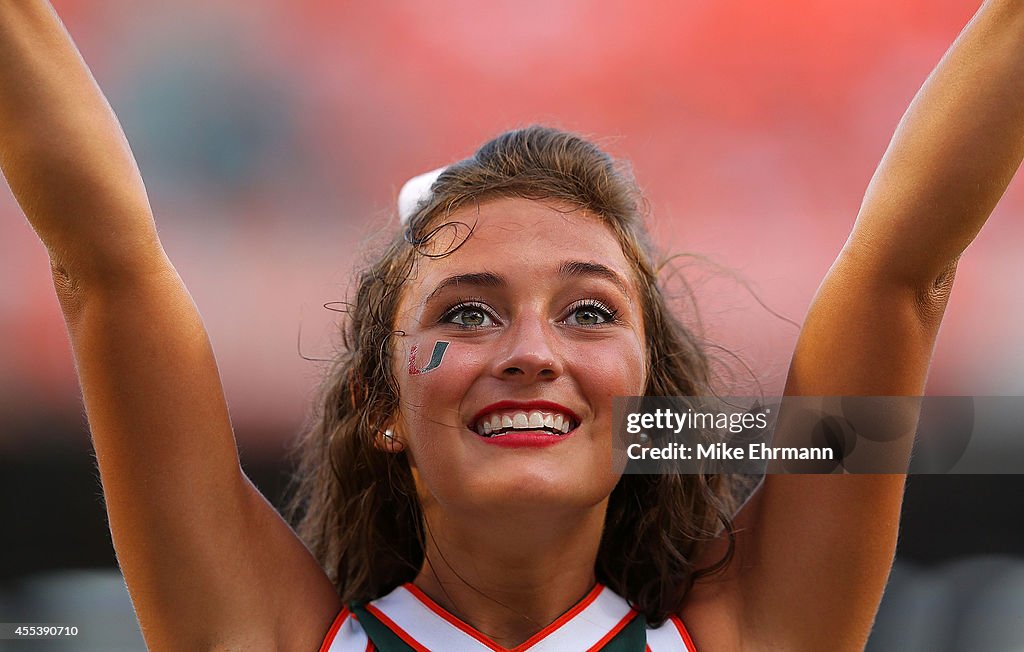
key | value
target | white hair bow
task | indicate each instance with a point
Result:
(415, 191)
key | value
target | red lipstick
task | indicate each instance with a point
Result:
(525, 438)
(504, 406)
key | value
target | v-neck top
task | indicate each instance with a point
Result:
(425, 626)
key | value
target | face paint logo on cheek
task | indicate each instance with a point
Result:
(435, 358)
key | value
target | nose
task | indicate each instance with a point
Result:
(529, 353)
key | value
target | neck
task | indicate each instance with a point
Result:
(506, 577)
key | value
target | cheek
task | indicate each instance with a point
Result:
(433, 376)
(437, 352)
(613, 368)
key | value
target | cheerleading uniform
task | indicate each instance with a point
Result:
(407, 620)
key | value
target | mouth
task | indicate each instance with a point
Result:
(505, 418)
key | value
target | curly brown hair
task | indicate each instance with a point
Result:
(356, 505)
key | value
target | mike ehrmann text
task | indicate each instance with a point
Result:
(721, 451)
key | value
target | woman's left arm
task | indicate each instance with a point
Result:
(814, 552)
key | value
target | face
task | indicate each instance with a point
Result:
(544, 326)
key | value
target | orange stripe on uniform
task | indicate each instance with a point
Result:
(615, 630)
(682, 632)
(333, 631)
(401, 633)
(455, 622)
(561, 620)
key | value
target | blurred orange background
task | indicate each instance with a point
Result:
(274, 136)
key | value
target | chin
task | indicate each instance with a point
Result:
(536, 490)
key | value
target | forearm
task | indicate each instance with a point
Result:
(62, 150)
(952, 155)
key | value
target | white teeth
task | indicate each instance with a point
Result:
(534, 420)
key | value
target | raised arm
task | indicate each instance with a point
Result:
(814, 552)
(207, 560)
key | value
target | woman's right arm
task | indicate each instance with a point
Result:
(208, 562)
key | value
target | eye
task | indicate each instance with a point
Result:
(469, 315)
(590, 313)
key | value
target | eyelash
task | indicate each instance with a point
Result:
(450, 313)
(608, 313)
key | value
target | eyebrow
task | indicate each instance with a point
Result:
(576, 268)
(568, 269)
(478, 279)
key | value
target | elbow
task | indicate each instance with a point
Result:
(888, 269)
(932, 296)
(68, 291)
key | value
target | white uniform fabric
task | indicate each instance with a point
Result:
(425, 625)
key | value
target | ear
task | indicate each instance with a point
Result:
(388, 441)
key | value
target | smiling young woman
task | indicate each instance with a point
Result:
(458, 490)
(494, 488)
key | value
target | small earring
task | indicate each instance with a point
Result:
(391, 443)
